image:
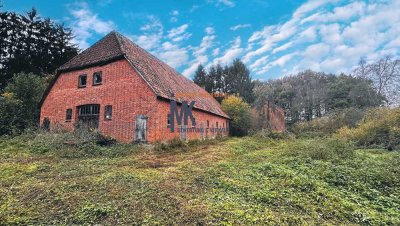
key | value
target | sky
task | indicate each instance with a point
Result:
(273, 38)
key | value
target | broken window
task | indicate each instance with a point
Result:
(82, 81)
(97, 78)
(108, 112)
(68, 115)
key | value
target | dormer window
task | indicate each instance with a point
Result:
(97, 78)
(82, 80)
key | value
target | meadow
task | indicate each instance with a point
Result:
(249, 180)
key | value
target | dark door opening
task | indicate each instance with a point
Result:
(88, 115)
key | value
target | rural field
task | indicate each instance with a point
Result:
(249, 180)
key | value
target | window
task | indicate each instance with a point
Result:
(217, 124)
(108, 112)
(89, 110)
(68, 115)
(168, 120)
(82, 81)
(208, 124)
(97, 78)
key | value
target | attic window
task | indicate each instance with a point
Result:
(82, 81)
(97, 78)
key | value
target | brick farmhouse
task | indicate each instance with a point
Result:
(125, 92)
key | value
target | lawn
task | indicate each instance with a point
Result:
(234, 181)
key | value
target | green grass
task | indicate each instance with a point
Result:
(234, 181)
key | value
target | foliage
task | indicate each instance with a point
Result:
(19, 107)
(379, 127)
(239, 112)
(238, 181)
(29, 43)
(329, 124)
(309, 95)
(385, 75)
(232, 79)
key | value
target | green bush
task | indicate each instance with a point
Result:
(379, 128)
(19, 104)
(239, 112)
(328, 124)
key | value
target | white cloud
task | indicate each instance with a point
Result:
(152, 34)
(231, 53)
(174, 55)
(179, 33)
(85, 24)
(222, 3)
(327, 35)
(239, 26)
(200, 52)
(174, 16)
(228, 3)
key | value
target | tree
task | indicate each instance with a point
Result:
(308, 95)
(231, 79)
(385, 75)
(238, 81)
(32, 44)
(200, 77)
(239, 112)
(20, 102)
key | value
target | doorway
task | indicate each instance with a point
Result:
(140, 128)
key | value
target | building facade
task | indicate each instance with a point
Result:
(126, 93)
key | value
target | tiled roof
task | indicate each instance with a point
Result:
(163, 80)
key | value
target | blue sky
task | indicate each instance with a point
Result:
(274, 38)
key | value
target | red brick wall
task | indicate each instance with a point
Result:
(270, 116)
(129, 96)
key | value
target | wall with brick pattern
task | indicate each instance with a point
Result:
(129, 96)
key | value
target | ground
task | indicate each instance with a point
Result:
(234, 181)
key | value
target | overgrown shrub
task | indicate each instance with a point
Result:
(76, 144)
(321, 149)
(19, 103)
(379, 127)
(239, 111)
(271, 134)
(329, 124)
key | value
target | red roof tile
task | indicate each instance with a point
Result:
(163, 80)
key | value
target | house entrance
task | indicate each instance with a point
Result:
(88, 115)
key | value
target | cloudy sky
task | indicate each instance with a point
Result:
(274, 38)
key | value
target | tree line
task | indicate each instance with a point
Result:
(31, 49)
(32, 44)
(230, 79)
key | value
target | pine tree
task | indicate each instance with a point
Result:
(32, 44)
(239, 81)
(200, 76)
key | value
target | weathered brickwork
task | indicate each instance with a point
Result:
(129, 95)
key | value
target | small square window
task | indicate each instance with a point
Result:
(108, 112)
(68, 115)
(82, 81)
(97, 78)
